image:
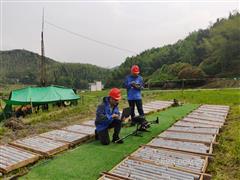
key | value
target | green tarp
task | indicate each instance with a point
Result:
(41, 95)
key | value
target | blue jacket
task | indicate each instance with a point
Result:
(104, 114)
(132, 92)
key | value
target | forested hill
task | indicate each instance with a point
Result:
(23, 66)
(211, 52)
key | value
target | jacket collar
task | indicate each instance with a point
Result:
(107, 103)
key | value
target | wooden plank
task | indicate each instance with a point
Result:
(211, 149)
(41, 145)
(148, 109)
(217, 110)
(80, 129)
(65, 136)
(205, 118)
(215, 106)
(114, 176)
(89, 123)
(206, 115)
(214, 118)
(179, 131)
(14, 162)
(185, 140)
(194, 124)
(134, 168)
(171, 167)
(186, 136)
(202, 122)
(190, 162)
(181, 150)
(194, 130)
(15, 152)
(11, 156)
(210, 113)
(201, 148)
(214, 109)
(205, 165)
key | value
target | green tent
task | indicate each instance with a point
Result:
(41, 95)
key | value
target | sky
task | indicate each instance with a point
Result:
(104, 33)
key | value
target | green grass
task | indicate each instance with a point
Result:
(226, 164)
(90, 159)
(199, 96)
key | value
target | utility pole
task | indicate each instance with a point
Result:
(42, 68)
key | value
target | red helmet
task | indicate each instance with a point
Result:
(115, 93)
(135, 69)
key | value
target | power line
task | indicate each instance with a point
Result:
(89, 38)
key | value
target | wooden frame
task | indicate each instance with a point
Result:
(203, 157)
(204, 119)
(147, 162)
(200, 153)
(191, 132)
(204, 123)
(189, 140)
(22, 162)
(170, 167)
(75, 131)
(71, 143)
(48, 153)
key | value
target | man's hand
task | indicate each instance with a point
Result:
(115, 116)
(135, 85)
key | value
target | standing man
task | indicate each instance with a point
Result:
(134, 83)
(108, 116)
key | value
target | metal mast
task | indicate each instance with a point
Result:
(42, 68)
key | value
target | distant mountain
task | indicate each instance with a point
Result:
(211, 52)
(24, 66)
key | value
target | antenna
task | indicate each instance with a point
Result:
(42, 68)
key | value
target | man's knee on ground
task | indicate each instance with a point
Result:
(104, 137)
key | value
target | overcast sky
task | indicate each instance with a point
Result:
(134, 26)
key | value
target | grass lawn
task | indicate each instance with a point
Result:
(199, 96)
(90, 159)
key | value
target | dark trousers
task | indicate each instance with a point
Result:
(139, 107)
(103, 135)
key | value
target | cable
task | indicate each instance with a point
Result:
(88, 38)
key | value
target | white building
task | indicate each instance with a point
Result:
(96, 86)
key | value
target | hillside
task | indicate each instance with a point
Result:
(23, 66)
(212, 52)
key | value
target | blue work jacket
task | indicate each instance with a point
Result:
(104, 114)
(133, 93)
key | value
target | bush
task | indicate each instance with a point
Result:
(191, 73)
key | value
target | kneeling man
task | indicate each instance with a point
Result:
(108, 116)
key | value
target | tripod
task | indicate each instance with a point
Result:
(139, 129)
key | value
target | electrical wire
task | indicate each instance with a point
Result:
(89, 38)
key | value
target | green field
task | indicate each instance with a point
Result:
(88, 160)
